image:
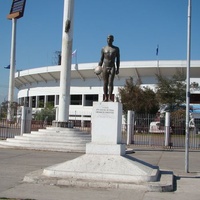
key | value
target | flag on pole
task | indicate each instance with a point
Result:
(74, 53)
(157, 49)
(8, 67)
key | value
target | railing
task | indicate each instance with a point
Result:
(9, 129)
(140, 135)
(176, 137)
(39, 124)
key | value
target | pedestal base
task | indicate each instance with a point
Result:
(105, 163)
(104, 168)
(105, 159)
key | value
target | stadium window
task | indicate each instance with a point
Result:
(34, 102)
(41, 102)
(51, 99)
(89, 99)
(76, 100)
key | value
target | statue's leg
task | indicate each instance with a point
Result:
(110, 83)
(105, 85)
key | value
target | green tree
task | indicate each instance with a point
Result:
(46, 114)
(140, 100)
(150, 103)
(4, 108)
(171, 91)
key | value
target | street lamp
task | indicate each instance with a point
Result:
(16, 12)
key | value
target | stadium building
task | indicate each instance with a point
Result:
(39, 86)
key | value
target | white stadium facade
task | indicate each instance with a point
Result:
(38, 86)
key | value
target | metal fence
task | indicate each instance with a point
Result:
(12, 129)
(158, 139)
(141, 133)
(9, 129)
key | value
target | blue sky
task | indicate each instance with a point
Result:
(138, 26)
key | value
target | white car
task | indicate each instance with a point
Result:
(156, 128)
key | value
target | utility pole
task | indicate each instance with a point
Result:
(16, 12)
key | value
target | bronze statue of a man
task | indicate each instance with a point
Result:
(110, 55)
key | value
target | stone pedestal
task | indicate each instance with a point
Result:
(105, 163)
(106, 129)
(106, 123)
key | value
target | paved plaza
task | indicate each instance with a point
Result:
(15, 164)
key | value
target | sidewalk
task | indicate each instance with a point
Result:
(15, 164)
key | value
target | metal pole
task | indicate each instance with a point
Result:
(10, 111)
(167, 128)
(188, 89)
(157, 51)
(65, 74)
(130, 124)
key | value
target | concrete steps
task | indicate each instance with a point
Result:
(51, 139)
(64, 139)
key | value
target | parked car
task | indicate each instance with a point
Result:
(156, 127)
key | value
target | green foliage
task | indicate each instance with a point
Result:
(172, 90)
(46, 114)
(4, 108)
(177, 117)
(41, 104)
(177, 121)
(150, 103)
(133, 97)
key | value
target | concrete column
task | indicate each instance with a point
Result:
(26, 101)
(65, 74)
(30, 102)
(83, 100)
(45, 100)
(55, 100)
(36, 101)
(26, 118)
(130, 126)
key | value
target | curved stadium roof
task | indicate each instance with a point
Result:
(138, 69)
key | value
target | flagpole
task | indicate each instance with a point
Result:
(76, 58)
(74, 54)
(157, 55)
(157, 51)
(188, 88)
(66, 60)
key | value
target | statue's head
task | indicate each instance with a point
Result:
(110, 39)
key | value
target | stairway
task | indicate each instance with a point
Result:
(51, 139)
